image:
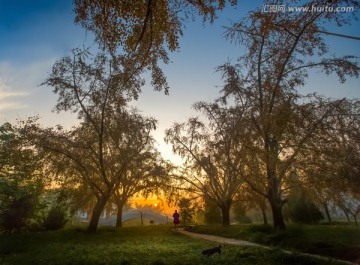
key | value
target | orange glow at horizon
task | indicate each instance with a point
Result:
(156, 202)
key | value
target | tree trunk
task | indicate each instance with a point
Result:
(276, 204)
(347, 215)
(225, 210)
(356, 224)
(119, 205)
(263, 211)
(276, 208)
(278, 218)
(274, 195)
(119, 217)
(96, 213)
(327, 212)
(356, 213)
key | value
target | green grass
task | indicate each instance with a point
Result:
(154, 245)
(337, 241)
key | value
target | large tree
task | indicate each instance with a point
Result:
(22, 179)
(143, 30)
(145, 174)
(337, 156)
(281, 48)
(109, 135)
(213, 155)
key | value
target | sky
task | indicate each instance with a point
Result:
(36, 33)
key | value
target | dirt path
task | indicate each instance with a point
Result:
(221, 240)
(239, 242)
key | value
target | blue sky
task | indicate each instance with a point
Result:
(34, 34)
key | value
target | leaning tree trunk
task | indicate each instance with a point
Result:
(347, 215)
(356, 223)
(327, 212)
(98, 209)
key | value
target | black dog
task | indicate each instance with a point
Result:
(210, 251)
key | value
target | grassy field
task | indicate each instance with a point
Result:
(339, 241)
(155, 245)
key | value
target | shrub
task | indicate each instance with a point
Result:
(56, 219)
(187, 211)
(304, 212)
(212, 214)
(17, 213)
(240, 216)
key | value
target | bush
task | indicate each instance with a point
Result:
(240, 216)
(244, 219)
(56, 219)
(212, 214)
(17, 213)
(303, 211)
(187, 211)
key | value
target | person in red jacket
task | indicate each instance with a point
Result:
(176, 218)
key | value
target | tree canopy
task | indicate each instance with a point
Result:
(143, 31)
